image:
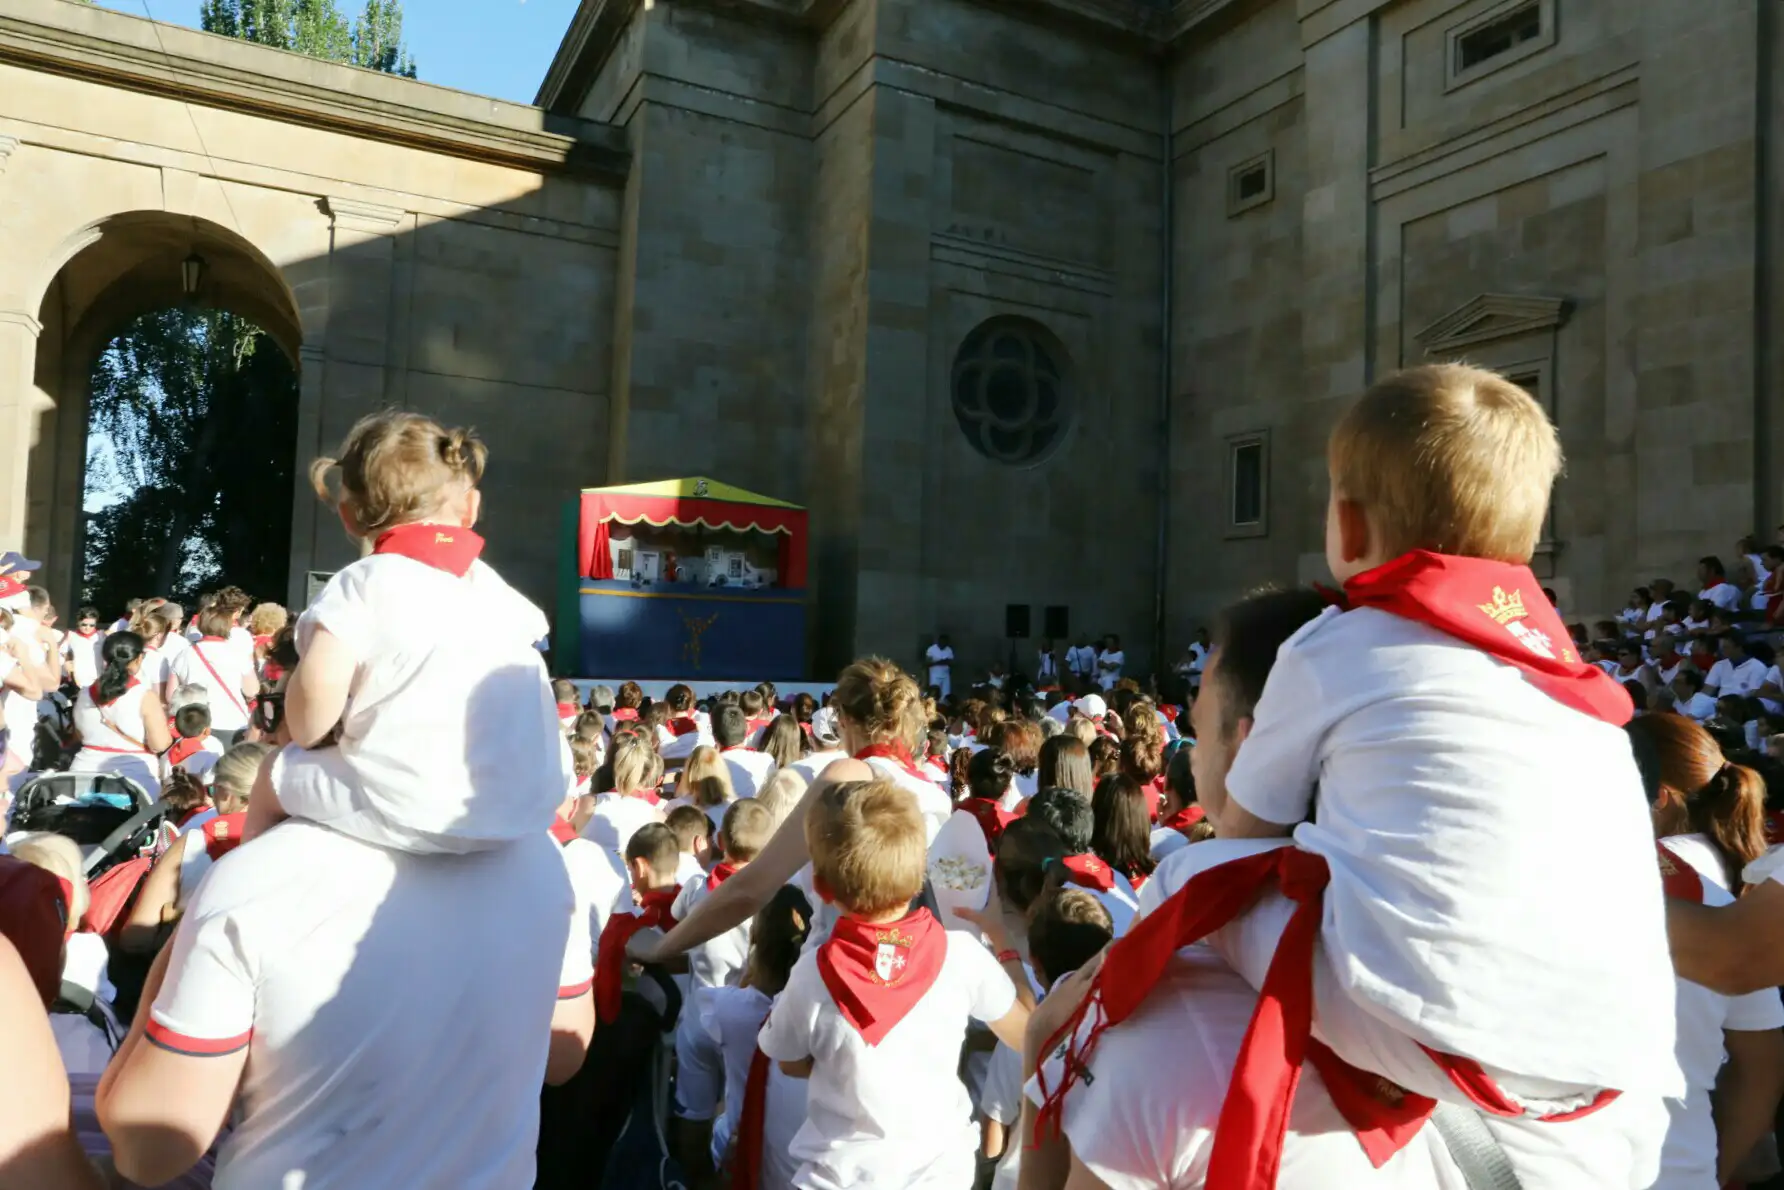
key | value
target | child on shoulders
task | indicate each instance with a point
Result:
(877, 1014)
(1460, 749)
(422, 714)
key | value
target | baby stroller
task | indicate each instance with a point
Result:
(607, 1128)
(111, 817)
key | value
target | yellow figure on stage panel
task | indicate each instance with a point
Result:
(690, 649)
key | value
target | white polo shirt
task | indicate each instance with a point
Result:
(895, 1114)
(617, 819)
(733, 1017)
(1432, 758)
(1730, 678)
(396, 1008)
(750, 770)
(1726, 596)
(450, 740)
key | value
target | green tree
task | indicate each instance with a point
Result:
(317, 28)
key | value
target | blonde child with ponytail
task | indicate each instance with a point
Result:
(421, 714)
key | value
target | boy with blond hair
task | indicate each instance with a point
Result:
(875, 1016)
(1430, 923)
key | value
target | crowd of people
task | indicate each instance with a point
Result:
(407, 911)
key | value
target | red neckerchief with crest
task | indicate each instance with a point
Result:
(681, 725)
(1678, 879)
(993, 818)
(897, 753)
(1498, 608)
(444, 547)
(878, 973)
(1087, 871)
(1184, 820)
(223, 834)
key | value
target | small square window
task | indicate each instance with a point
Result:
(1248, 485)
(1499, 37)
(1251, 183)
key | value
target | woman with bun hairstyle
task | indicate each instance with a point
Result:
(120, 720)
(988, 777)
(1709, 820)
(878, 716)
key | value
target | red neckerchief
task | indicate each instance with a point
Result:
(568, 710)
(563, 830)
(1185, 819)
(183, 749)
(650, 795)
(610, 965)
(806, 728)
(1155, 796)
(720, 874)
(878, 973)
(94, 691)
(223, 834)
(444, 547)
(752, 1125)
(993, 818)
(1170, 712)
(1678, 879)
(1247, 1150)
(86, 635)
(758, 724)
(624, 715)
(898, 754)
(1713, 586)
(682, 725)
(1483, 603)
(1087, 871)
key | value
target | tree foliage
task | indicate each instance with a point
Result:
(317, 28)
(193, 418)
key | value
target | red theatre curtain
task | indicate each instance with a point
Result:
(600, 554)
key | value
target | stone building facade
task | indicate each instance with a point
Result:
(1041, 302)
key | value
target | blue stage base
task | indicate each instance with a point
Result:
(667, 631)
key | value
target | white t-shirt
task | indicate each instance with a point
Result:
(817, 762)
(617, 819)
(733, 1017)
(1775, 677)
(217, 665)
(83, 657)
(940, 658)
(934, 805)
(1108, 666)
(1729, 678)
(1081, 660)
(1688, 1160)
(1431, 760)
(671, 746)
(599, 879)
(895, 1114)
(450, 741)
(750, 770)
(1726, 596)
(1699, 706)
(718, 962)
(353, 975)
(20, 712)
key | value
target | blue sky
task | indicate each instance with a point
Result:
(492, 47)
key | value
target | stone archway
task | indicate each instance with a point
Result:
(110, 273)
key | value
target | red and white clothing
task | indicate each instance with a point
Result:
(896, 1113)
(616, 819)
(1688, 1160)
(1726, 596)
(935, 806)
(715, 964)
(217, 665)
(1172, 833)
(677, 738)
(1431, 759)
(209, 837)
(197, 757)
(450, 741)
(351, 974)
(750, 770)
(81, 649)
(112, 738)
(732, 1018)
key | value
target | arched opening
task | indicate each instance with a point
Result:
(167, 367)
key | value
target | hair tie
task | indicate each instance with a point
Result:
(1048, 862)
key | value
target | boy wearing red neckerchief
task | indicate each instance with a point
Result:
(875, 1017)
(1425, 925)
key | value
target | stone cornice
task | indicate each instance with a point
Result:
(116, 49)
(1492, 316)
(363, 216)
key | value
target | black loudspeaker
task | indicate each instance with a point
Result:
(1059, 623)
(1016, 621)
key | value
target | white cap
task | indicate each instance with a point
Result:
(1092, 705)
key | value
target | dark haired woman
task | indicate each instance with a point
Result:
(988, 777)
(1122, 835)
(120, 720)
(1709, 818)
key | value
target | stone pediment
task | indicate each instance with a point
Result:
(1489, 317)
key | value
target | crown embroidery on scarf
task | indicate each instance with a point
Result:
(1505, 608)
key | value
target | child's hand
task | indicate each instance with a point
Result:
(990, 920)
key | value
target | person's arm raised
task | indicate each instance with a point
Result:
(737, 899)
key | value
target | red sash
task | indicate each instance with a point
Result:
(746, 1159)
(1087, 871)
(1247, 1150)
(1499, 608)
(877, 973)
(235, 696)
(720, 874)
(610, 965)
(1184, 820)
(680, 726)
(444, 547)
(563, 830)
(223, 834)
(898, 754)
(184, 749)
(993, 818)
